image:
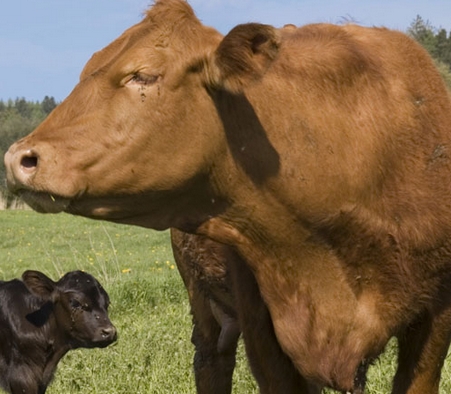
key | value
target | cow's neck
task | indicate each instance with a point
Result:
(284, 252)
(55, 353)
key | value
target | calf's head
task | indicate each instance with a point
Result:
(139, 135)
(80, 307)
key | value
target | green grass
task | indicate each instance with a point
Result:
(149, 306)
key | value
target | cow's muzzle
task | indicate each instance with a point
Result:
(107, 336)
(21, 168)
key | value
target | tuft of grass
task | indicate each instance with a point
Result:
(149, 306)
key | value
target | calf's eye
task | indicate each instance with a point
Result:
(74, 304)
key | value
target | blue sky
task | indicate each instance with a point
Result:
(44, 44)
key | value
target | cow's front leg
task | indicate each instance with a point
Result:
(271, 367)
(423, 347)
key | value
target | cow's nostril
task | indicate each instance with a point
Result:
(109, 332)
(29, 161)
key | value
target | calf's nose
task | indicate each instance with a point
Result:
(21, 165)
(109, 333)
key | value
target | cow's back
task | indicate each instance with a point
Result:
(16, 303)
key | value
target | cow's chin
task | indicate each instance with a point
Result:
(44, 202)
(91, 343)
(103, 343)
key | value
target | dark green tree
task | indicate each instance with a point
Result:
(23, 107)
(48, 104)
(444, 47)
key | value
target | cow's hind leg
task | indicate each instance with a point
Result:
(423, 347)
(215, 332)
(215, 348)
(360, 377)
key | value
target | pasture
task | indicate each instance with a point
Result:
(149, 306)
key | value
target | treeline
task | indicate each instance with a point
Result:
(19, 117)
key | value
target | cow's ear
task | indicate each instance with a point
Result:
(39, 284)
(242, 57)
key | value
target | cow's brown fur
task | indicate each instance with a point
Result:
(321, 154)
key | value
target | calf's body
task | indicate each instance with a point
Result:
(320, 154)
(41, 320)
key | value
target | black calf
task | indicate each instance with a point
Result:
(41, 320)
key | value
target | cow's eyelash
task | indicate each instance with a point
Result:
(75, 304)
(144, 79)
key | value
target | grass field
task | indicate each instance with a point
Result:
(149, 306)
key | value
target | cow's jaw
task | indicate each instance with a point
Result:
(20, 181)
(44, 202)
(40, 201)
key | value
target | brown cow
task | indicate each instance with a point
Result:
(320, 153)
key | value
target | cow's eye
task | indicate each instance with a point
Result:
(142, 79)
(75, 304)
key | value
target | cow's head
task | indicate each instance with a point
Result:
(139, 137)
(80, 306)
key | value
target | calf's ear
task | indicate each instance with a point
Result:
(39, 284)
(242, 57)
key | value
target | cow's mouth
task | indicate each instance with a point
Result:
(43, 202)
(46, 202)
